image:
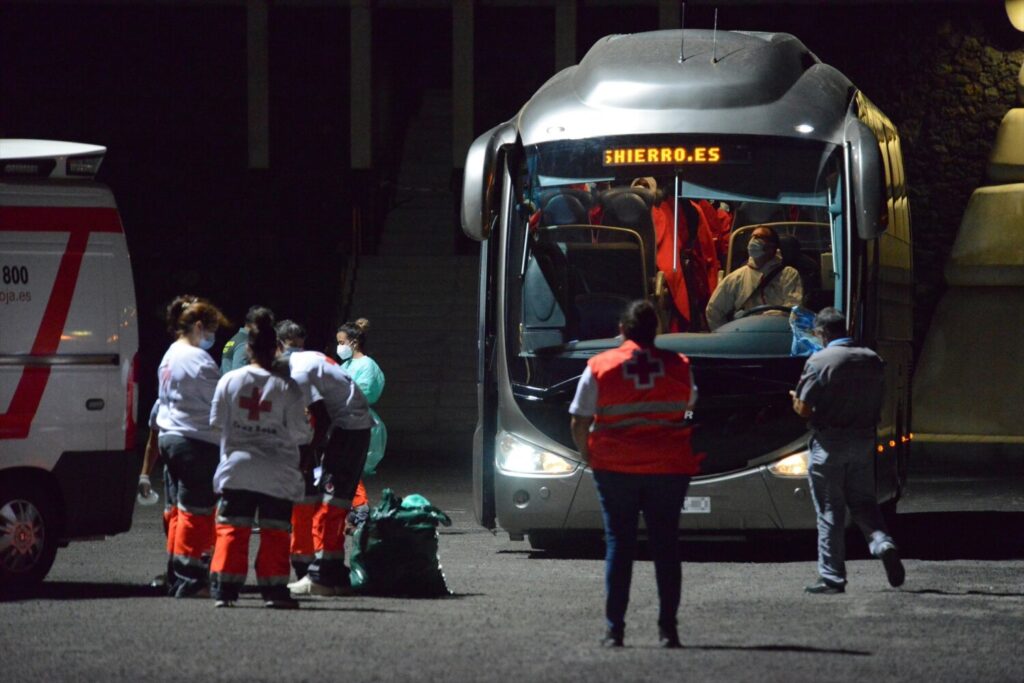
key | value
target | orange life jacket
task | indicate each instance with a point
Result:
(662, 217)
(703, 260)
(640, 426)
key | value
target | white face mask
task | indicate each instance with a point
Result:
(756, 248)
(344, 352)
(206, 343)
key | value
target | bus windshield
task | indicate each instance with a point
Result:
(601, 222)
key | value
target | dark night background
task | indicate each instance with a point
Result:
(163, 87)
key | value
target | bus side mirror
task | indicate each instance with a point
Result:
(868, 181)
(481, 185)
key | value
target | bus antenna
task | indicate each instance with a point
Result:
(714, 41)
(682, 30)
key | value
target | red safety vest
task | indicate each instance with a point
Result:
(640, 427)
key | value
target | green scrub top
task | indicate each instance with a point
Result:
(370, 379)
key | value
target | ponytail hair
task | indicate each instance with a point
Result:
(356, 332)
(640, 322)
(262, 338)
(186, 310)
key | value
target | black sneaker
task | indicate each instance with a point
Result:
(825, 587)
(612, 639)
(668, 638)
(893, 567)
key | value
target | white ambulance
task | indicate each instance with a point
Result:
(68, 345)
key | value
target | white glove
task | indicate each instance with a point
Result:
(146, 495)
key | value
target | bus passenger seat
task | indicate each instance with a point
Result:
(564, 209)
(809, 269)
(630, 208)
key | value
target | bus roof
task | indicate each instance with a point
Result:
(735, 82)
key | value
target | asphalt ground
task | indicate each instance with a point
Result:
(521, 615)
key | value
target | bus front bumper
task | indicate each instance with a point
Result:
(751, 500)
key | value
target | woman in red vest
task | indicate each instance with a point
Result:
(630, 424)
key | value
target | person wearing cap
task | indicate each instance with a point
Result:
(764, 280)
(841, 392)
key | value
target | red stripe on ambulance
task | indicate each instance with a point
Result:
(79, 223)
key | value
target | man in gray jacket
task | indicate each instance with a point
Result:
(841, 392)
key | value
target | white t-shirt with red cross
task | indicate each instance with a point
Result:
(262, 418)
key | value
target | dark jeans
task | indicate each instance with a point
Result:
(342, 468)
(189, 469)
(660, 497)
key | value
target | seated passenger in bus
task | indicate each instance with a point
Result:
(763, 281)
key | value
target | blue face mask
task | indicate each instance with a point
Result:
(756, 248)
(206, 343)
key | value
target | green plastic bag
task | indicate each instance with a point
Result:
(395, 552)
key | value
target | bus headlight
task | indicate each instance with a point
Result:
(515, 455)
(791, 466)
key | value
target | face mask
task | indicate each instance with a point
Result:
(206, 343)
(756, 248)
(344, 352)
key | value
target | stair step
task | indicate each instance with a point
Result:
(421, 299)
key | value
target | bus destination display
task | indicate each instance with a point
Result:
(647, 155)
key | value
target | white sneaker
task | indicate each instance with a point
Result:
(306, 586)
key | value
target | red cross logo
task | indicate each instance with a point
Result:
(642, 369)
(254, 405)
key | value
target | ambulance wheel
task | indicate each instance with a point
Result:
(28, 534)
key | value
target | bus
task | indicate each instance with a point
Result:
(641, 172)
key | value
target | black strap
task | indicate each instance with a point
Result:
(765, 281)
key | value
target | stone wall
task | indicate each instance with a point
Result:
(959, 80)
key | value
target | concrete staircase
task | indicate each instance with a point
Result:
(421, 300)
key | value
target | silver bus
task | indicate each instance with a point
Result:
(641, 173)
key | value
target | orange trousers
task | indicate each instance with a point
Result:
(309, 514)
(236, 515)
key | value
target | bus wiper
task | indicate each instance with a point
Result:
(555, 391)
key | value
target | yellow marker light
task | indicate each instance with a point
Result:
(892, 444)
(881, 448)
(791, 466)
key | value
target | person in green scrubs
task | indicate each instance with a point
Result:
(369, 378)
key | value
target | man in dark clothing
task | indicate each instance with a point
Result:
(234, 354)
(841, 391)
